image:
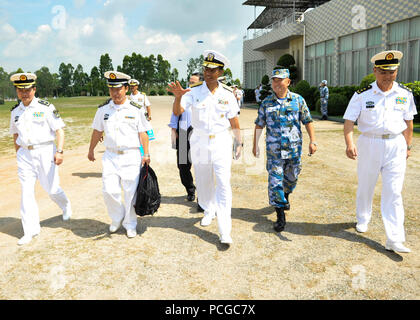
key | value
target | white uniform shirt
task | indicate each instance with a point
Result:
(35, 124)
(380, 112)
(210, 113)
(141, 99)
(121, 124)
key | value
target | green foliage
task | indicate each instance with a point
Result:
(415, 89)
(153, 93)
(162, 92)
(286, 60)
(194, 65)
(1, 101)
(304, 89)
(266, 88)
(337, 104)
(367, 80)
(347, 91)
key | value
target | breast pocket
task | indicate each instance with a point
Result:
(272, 115)
(221, 111)
(200, 112)
(369, 115)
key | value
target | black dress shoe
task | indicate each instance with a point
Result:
(281, 220)
(191, 197)
(199, 209)
(287, 205)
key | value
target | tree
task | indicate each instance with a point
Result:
(228, 74)
(105, 64)
(194, 65)
(163, 71)
(174, 75)
(80, 80)
(44, 82)
(65, 72)
(287, 61)
(95, 81)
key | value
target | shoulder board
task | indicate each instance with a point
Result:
(15, 106)
(105, 103)
(404, 87)
(143, 93)
(196, 84)
(135, 104)
(227, 87)
(44, 102)
(364, 89)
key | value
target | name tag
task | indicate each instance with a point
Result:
(370, 104)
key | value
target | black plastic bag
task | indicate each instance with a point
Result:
(148, 195)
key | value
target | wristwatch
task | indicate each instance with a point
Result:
(59, 151)
(409, 147)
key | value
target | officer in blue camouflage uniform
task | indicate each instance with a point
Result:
(281, 113)
(324, 95)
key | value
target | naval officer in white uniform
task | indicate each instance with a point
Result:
(125, 126)
(384, 112)
(214, 110)
(35, 124)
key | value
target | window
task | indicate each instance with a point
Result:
(405, 37)
(355, 52)
(320, 62)
(254, 71)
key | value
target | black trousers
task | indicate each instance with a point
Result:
(183, 159)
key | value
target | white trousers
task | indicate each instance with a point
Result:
(388, 157)
(121, 171)
(32, 165)
(212, 160)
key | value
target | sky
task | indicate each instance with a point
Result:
(41, 33)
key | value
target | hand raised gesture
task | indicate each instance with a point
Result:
(177, 89)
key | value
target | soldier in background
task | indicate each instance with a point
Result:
(282, 113)
(324, 95)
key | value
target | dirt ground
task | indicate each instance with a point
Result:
(318, 256)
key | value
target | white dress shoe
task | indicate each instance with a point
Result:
(396, 247)
(26, 239)
(207, 219)
(114, 227)
(361, 227)
(226, 239)
(66, 215)
(131, 233)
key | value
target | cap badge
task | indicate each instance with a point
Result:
(112, 76)
(389, 56)
(23, 78)
(277, 72)
(210, 57)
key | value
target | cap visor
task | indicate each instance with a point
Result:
(387, 67)
(211, 65)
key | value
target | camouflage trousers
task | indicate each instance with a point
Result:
(324, 107)
(282, 178)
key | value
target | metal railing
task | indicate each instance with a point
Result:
(295, 17)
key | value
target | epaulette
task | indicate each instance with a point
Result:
(227, 87)
(143, 93)
(15, 106)
(105, 103)
(364, 89)
(196, 84)
(44, 102)
(404, 87)
(135, 104)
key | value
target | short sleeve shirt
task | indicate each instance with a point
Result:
(121, 124)
(36, 123)
(379, 112)
(210, 113)
(141, 99)
(282, 119)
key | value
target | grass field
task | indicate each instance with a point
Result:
(77, 113)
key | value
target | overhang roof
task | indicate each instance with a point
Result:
(278, 9)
